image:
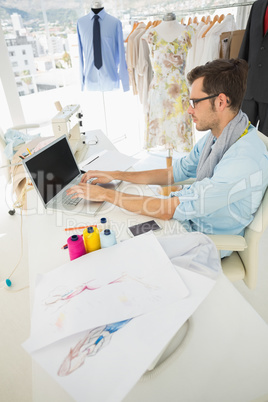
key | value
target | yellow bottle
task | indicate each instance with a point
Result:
(91, 239)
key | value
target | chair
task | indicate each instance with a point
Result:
(244, 261)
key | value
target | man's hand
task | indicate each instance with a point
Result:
(87, 191)
(97, 176)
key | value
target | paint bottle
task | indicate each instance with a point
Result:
(107, 238)
(76, 246)
(91, 239)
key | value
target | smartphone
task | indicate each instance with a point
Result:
(144, 227)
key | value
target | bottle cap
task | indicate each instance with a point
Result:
(103, 220)
(74, 237)
(90, 229)
(107, 232)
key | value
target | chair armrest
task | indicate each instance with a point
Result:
(229, 242)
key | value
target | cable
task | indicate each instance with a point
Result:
(19, 203)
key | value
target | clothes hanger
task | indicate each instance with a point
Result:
(208, 19)
(203, 19)
(148, 25)
(221, 18)
(195, 20)
(190, 21)
(215, 19)
(182, 21)
(133, 29)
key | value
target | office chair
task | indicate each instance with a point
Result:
(244, 261)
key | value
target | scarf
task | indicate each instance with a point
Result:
(210, 157)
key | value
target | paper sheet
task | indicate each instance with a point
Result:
(108, 372)
(109, 285)
(108, 160)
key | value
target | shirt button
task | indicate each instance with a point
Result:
(259, 65)
(262, 48)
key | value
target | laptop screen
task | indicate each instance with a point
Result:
(52, 168)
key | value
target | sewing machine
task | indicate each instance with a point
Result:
(68, 121)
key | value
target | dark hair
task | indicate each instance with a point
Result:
(223, 76)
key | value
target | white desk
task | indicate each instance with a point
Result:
(225, 354)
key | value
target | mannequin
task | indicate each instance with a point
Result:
(97, 6)
(167, 121)
(113, 70)
(169, 17)
(170, 28)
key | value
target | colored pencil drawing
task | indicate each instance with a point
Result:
(94, 341)
(65, 295)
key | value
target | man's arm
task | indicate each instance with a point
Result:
(157, 176)
(162, 208)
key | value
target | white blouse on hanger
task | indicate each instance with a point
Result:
(212, 38)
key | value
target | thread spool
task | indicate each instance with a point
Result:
(76, 246)
(103, 224)
(91, 239)
(107, 238)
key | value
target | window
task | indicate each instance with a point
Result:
(11, 54)
(23, 52)
(26, 62)
(14, 64)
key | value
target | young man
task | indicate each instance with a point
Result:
(230, 163)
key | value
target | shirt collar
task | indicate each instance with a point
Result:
(101, 14)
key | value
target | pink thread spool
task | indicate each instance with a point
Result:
(76, 246)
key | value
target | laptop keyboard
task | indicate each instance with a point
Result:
(68, 200)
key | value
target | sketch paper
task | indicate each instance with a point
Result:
(108, 160)
(106, 286)
(107, 373)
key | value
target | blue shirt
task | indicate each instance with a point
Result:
(114, 67)
(226, 202)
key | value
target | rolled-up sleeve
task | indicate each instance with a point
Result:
(185, 167)
(229, 185)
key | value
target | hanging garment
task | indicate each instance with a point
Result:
(130, 56)
(211, 49)
(230, 43)
(168, 121)
(144, 72)
(195, 52)
(114, 68)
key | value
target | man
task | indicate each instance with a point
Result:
(254, 49)
(230, 178)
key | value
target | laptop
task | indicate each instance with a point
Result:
(52, 170)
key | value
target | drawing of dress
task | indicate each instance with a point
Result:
(90, 345)
(167, 120)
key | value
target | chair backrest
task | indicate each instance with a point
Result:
(253, 233)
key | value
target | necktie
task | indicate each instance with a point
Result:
(97, 43)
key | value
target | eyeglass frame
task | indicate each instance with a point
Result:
(194, 101)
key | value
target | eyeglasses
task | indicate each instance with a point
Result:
(194, 101)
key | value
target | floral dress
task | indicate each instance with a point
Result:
(167, 121)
